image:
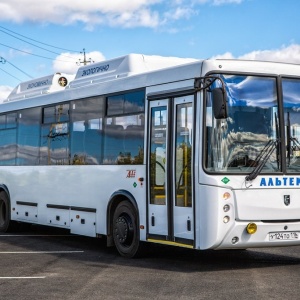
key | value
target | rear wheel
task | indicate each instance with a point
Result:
(4, 212)
(125, 229)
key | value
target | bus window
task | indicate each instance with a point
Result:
(8, 141)
(124, 129)
(291, 91)
(55, 136)
(87, 131)
(124, 139)
(158, 155)
(29, 136)
(183, 155)
(235, 143)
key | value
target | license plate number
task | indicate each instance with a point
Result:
(284, 236)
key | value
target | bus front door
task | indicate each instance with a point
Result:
(170, 201)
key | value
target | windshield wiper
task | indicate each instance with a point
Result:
(262, 158)
(266, 152)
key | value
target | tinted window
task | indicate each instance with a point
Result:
(124, 140)
(133, 102)
(8, 140)
(291, 103)
(29, 136)
(251, 129)
(55, 136)
(87, 131)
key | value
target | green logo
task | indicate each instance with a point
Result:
(134, 184)
(225, 180)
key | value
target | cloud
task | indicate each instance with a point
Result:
(4, 92)
(117, 12)
(128, 14)
(286, 54)
(221, 2)
(212, 2)
(290, 54)
(69, 63)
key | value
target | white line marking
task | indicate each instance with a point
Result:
(23, 235)
(36, 277)
(38, 252)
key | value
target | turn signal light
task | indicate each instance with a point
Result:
(226, 196)
(251, 228)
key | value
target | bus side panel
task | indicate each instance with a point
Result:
(73, 197)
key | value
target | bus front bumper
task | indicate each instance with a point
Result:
(266, 235)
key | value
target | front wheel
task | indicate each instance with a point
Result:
(125, 229)
(4, 212)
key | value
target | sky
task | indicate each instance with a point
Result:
(41, 38)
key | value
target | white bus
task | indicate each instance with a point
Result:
(199, 154)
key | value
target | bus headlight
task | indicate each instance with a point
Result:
(226, 208)
(251, 228)
(226, 219)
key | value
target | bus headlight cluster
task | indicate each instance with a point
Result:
(226, 207)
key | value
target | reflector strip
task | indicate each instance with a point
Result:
(170, 243)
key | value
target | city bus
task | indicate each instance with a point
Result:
(202, 154)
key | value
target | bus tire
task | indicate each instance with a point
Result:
(5, 221)
(125, 230)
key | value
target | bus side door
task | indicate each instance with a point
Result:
(170, 160)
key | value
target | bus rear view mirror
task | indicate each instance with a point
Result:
(219, 102)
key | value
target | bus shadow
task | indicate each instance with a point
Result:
(187, 260)
(94, 252)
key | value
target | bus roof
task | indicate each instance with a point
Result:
(116, 68)
(124, 66)
(138, 71)
(40, 86)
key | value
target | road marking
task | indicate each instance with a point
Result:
(38, 252)
(38, 235)
(32, 277)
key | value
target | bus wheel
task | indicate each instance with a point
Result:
(125, 229)
(4, 212)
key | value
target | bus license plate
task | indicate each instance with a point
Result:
(284, 236)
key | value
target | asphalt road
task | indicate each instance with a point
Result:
(46, 264)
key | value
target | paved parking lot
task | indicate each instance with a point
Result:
(51, 264)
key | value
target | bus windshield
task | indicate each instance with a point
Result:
(249, 135)
(291, 105)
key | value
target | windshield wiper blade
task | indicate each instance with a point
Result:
(262, 158)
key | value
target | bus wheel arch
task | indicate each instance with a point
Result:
(5, 214)
(123, 224)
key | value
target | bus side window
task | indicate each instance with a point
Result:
(8, 140)
(134, 142)
(29, 126)
(87, 131)
(113, 143)
(55, 135)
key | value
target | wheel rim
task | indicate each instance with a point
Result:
(124, 230)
